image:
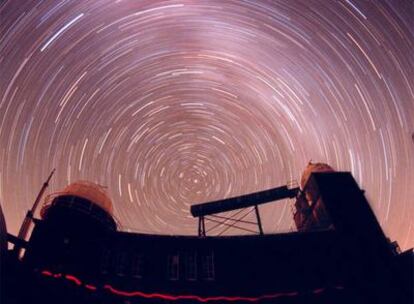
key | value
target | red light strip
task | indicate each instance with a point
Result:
(177, 297)
(195, 298)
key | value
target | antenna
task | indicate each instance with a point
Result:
(30, 213)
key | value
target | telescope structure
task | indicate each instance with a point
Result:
(338, 253)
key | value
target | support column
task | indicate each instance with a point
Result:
(259, 221)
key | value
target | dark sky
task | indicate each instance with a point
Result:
(168, 103)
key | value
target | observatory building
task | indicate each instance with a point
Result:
(339, 253)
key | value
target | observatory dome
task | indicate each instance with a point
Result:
(90, 191)
(83, 202)
(311, 168)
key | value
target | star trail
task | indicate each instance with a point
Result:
(170, 103)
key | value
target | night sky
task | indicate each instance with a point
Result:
(169, 103)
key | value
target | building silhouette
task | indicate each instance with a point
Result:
(339, 254)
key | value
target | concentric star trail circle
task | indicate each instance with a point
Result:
(170, 103)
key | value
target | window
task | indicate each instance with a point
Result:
(137, 265)
(173, 266)
(191, 266)
(121, 261)
(105, 261)
(208, 272)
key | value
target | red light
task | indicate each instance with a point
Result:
(73, 279)
(180, 297)
(194, 297)
(90, 287)
(319, 290)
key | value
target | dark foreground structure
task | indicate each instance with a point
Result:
(338, 255)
